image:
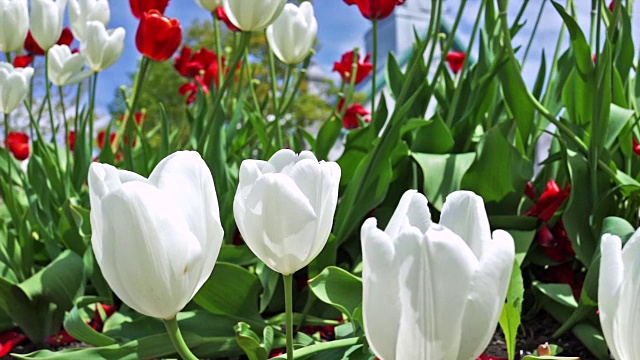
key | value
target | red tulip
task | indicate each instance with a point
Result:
(191, 89)
(555, 243)
(375, 9)
(455, 59)
(350, 119)
(8, 340)
(32, 48)
(529, 191)
(18, 145)
(158, 37)
(612, 5)
(72, 140)
(345, 65)
(222, 16)
(22, 61)
(190, 65)
(549, 202)
(636, 146)
(139, 7)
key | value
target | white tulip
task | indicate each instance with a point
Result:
(209, 5)
(14, 24)
(64, 67)
(292, 35)
(81, 11)
(47, 21)
(157, 239)
(434, 291)
(284, 208)
(101, 47)
(619, 295)
(14, 86)
(253, 15)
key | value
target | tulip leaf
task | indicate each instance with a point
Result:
(250, 342)
(579, 43)
(232, 290)
(618, 119)
(269, 280)
(327, 136)
(339, 288)
(510, 316)
(76, 323)
(442, 174)
(434, 138)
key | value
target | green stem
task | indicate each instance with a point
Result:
(176, 339)
(288, 305)
(374, 24)
(49, 105)
(312, 349)
(216, 34)
(66, 128)
(7, 56)
(274, 94)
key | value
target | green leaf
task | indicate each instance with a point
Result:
(579, 43)
(619, 118)
(327, 136)
(250, 342)
(339, 288)
(434, 138)
(76, 323)
(510, 316)
(442, 174)
(269, 280)
(232, 290)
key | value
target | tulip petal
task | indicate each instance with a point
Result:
(185, 178)
(475, 227)
(486, 298)
(610, 280)
(381, 292)
(437, 275)
(277, 222)
(283, 159)
(627, 308)
(153, 252)
(413, 210)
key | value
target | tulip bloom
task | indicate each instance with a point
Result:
(351, 115)
(190, 64)
(209, 5)
(30, 45)
(549, 202)
(618, 291)
(18, 145)
(14, 24)
(139, 7)
(292, 35)
(375, 9)
(102, 47)
(81, 11)
(14, 86)
(46, 21)
(158, 37)
(345, 66)
(157, 239)
(253, 15)
(434, 291)
(284, 208)
(455, 59)
(65, 68)
(222, 16)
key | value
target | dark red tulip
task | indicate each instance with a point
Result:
(455, 59)
(190, 64)
(555, 243)
(22, 61)
(345, 65)
(375, 9)
(18, 145)
(549, 202)
(222, 16)
(350, 118)
(158, 37)
(529, 191)
(139, 7)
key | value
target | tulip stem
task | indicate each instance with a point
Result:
(374, 25)
(288, 306)
(177, 340)
(49, 105)
(274, 91)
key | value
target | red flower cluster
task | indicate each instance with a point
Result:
(344, 67)
(32, 47)
(63, 337)
(139, 7)
(222, 16)
(375, 9)
(158, 37)
(350, 118)
(201, 66)
(18, 145)
(455, 60)
(549, 202)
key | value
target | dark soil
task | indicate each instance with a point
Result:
(534, 332)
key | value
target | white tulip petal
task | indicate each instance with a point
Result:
(412, 210)
(153, 253)
(381, 292)
(209, 5)
(487, 293)
(475, 228)
(47, 21)
(609, 283)
(253, 15)
(14, 86)
(14, 24)
(277, 222)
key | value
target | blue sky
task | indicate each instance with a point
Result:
(340, 28)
